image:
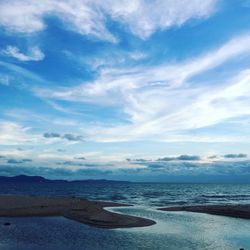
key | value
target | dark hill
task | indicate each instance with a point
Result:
(39, 179)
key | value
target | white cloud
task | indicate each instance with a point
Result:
(12, 133)
(27, 16)
(4, 80)
(106, 59)
(17, 72)
(137, 55)
(142, 17)
(33, 54)
(150, 79)
(145, 17)
(162, 101)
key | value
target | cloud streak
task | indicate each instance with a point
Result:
(164, 99)
(141, 17)
(33, 54)
(4, 80)
(12, 133)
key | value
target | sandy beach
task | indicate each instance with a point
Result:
(81, 210)
(238, 211)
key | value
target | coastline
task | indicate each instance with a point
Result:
(80, 210)
(237, 211)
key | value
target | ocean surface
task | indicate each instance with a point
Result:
(174, 230)
(143, 194)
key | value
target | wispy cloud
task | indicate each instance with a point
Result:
(142, 17)
(137, 55)
(164, 101)
(18, 72)
(145, 17)
(4, 80)
(33, 54)
(12, 133)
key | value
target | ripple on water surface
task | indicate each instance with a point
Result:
(178, 230)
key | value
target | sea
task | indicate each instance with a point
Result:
(173, 230)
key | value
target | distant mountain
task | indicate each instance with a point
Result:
(39, 179)
(22, 178)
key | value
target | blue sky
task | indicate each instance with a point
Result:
(107, 89)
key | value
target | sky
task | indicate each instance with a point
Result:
(130, 90)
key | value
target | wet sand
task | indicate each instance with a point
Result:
(81, 210)
(238, 211)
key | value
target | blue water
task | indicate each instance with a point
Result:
(174, 230)
(146, 194)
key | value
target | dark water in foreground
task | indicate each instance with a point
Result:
(173, 231)
(176, 230)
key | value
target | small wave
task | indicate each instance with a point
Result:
(151, 194)
(226, 196)
(117, 197)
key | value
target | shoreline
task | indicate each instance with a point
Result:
(236, 211)
(81, 210)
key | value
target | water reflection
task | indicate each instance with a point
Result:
(178, 230)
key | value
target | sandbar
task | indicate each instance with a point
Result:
(84, 211)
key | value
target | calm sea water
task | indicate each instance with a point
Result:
(174, 230)
(145, 194)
